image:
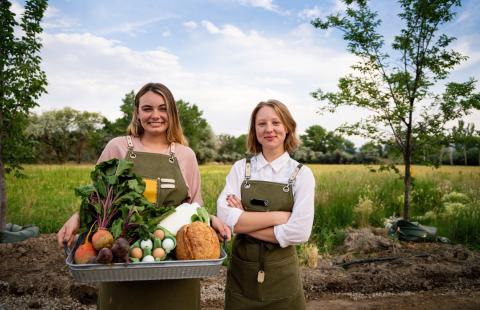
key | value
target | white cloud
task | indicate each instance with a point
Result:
(265, 4)
(339, 6)
(464, 45)
(54, 19)
(166, 34)
(190, 25)
(310, 13)
(88, 72)
(210, 26)
(132, 28)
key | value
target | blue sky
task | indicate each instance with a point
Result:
(224, 56)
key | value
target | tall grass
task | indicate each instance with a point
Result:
(346, 195)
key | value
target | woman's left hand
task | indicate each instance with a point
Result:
(223, 231)
(234, 202)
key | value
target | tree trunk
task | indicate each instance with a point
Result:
(440, 158)
(3, 192)
(407, 180)
(451, 156)
(407, 160)
(80, 149)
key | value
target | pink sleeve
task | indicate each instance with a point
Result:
(194, 181)
(115, 148)
(189, 167)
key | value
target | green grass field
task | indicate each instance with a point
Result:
(346, 195)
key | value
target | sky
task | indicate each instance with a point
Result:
(225, 56)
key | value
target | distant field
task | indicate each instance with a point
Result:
(346, 195)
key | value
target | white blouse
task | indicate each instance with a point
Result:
(299, 226)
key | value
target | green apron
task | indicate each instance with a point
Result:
(162, 294)
(263, 275)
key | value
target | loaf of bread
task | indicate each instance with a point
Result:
(197, 241)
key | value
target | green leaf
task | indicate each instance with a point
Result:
(117, 227)
(203, 214)
(85, 191)
(124, 167)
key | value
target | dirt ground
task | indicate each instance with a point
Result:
(33, 275)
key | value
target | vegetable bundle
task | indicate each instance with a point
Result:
(128, 228)
(114, 205)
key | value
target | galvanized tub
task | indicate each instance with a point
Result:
(163, 270)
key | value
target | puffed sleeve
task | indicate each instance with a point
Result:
(193, 180)
(232, 187)
(298, 228)
(115, 148)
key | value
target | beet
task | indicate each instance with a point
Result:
(105, 256)
(102, 238)
(84, 253)
(120, 248)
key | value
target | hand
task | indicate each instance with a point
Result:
(223, 231)
(234, 202)
(69, 230)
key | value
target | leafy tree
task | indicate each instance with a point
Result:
(349, 147)
(197, 131)
(119, 126)
(22, 82)
(318, 139)
(315, 138)
(464, 136)
(397, 90)
(231, 148)
(65, 134)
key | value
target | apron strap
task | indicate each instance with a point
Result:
(129, 143)
(248, 171)
(292, 178)
(172, 153)
(130, 147)
(261, 260)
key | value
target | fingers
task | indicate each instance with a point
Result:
(68, 236)
(234, 202)
(224, 233)
(228, 233)
(61, 236)
(64, 235)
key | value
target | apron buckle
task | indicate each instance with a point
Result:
(260, 276)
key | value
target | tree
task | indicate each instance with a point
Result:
(318, 139)
(65, 134)
(464, 137)
(231, 148)
(119, 126)
(198, 132)
(22, 82)
(397, 92)
(315, 138)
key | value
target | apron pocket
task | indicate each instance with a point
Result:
(150, 192)
(282, 279)
(242, 278)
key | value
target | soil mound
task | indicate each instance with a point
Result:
(33, 274)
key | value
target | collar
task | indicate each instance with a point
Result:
(277, 164)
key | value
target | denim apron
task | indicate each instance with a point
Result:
(263, 275)
(165, 186)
